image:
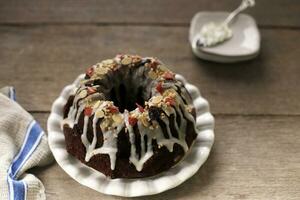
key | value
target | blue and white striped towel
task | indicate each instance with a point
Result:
(23, 145)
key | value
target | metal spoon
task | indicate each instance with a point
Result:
(210, 32)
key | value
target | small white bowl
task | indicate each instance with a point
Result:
(132, 187)
(244, 44)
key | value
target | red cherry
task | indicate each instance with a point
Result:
(159, 88)
(113, 109)
(170, 101)
(169, 76)
(88, 111)
(91, 90)
(90, 71)
(141, 109)
(154, 64)
(132, 120)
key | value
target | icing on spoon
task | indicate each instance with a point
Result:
(212, 33)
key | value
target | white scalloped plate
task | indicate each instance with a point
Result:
(133, 187)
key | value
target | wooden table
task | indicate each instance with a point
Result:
(44, 45)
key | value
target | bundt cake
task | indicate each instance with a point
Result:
(129, 118)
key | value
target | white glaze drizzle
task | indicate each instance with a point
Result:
(110, 136)
(158, 135)
(173, 140)
(109, 140)
(74, 112)
(145, 155)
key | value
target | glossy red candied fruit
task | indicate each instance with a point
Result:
(154, 64)
(159, 88)
(141, 109)
(169, 75)
(113, 109)
(170, 101)
(132, 120)
(88, 111)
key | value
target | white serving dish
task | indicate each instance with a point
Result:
(132, 187)
(244, 44)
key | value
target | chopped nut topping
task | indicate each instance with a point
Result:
(144, 119)
(90, 102)
(135, 114)
(97, 104)
(105, 123)
(126, 61)
(157, 108)
(99, 113)
(108, 61)
(156, 99)
(83, 93)
(170, 92)
(163, 68)
(136, 59)
(117, 118)
(152, 74)
(101, 70)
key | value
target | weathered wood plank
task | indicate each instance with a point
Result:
(252, 158)
(40, 60)
(271, 13)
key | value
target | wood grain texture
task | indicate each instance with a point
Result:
(40, 60)
(252, 158)
(270, 13)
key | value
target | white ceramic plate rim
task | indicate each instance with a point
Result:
(133, 187)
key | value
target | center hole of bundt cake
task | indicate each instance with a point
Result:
(125, 97)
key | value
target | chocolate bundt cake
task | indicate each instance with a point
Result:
(129, 118)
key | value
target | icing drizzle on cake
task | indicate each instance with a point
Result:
(168, 98)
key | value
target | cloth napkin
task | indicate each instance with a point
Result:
(23, 145)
